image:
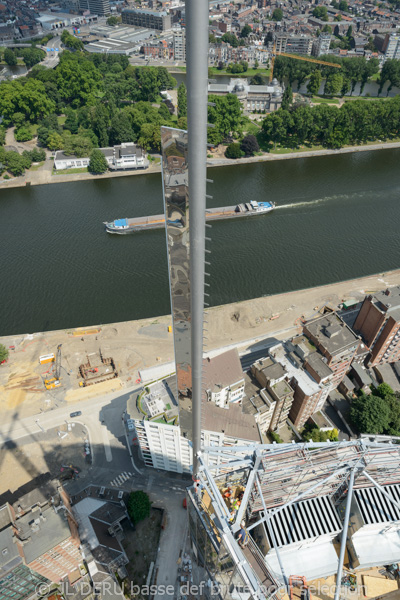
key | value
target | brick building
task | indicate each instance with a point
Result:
(308, 374)
(378, 323)
(336, 342)
(277, 392)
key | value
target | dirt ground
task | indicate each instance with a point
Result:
(46, 452)
(137, 345)
(141, 546)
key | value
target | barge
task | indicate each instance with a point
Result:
(248, 209)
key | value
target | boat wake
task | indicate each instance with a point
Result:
(359, 195)
(305, 203)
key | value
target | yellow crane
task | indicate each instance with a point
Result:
(296, 57)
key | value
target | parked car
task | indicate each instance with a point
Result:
(77, 413)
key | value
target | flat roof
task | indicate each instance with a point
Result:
(303, 378)
(46, 534)
(222, 370)
(332, 333)
(316, 361)
(232, 423)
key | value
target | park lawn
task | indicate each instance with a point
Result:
(374, 77)
(69, 171)
(61, 120)
(319, 100)
(295, 150)
(36, 167)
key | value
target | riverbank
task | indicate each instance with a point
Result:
(137, 346)
(44, 175)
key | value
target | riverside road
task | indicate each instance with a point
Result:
(336, 219)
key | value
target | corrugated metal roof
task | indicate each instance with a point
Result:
(305, 520)
(375, 508)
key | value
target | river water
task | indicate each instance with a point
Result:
(337, 218)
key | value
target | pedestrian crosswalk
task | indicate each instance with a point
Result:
(121, 479)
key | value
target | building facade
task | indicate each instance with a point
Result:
(180, 45)
(223, 379)
(393, 47)
(378, 322)
(123, 157)
(293, 44)
(277, 392)
(252, 97)
(337, 343)
(96, 7)
(150, 19)
(322, 44)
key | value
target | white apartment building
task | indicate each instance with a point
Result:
(322, 44)
(393, 47)
(223, 379)
(180, 45)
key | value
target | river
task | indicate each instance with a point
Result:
(337, 218)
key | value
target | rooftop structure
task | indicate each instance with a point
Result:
(223, 378)
(296, 503)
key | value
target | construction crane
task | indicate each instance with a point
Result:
(54, 381)
(298, 588)
(296, 57)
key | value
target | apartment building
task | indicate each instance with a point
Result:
(162, 425)
(96, 7)
(293, 43)
(378, 323)
(180, 45)
(336, 342)
(393, 47)
(161, 49)
(150, 19)
(278, 393)
(322, 44)
(223, 379)
(308, 374)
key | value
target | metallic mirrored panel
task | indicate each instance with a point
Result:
(174, 144)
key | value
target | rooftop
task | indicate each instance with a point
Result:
(304, 379)
(42, 534)
(233, 423)
(222, 370)
(332, 333)
(317, 363)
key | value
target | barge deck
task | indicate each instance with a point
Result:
(158, 221)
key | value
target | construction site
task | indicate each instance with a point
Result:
(300, 521)
(137, 346)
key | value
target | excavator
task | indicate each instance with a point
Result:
(54, 381)
(296, 57)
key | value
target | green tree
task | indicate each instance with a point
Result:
(287, 97)
(370, 414)
(246, 30)
(249, 145)
(327, 29)
(334, 84)
(231, 39)
(138, 506)
(14, 163)
(164, 112)
(71, 122)
(384, 390)
(226, 115)
(233, 151)
(18, 119)
(182, 100)
(277, 15)
(98, 162)
(314, 83)
(121, 129)
(23, 134)
(320, 12)
(343, 6)
(113, 21)
(78, 145)
(54, 141)
(10, 57)
(38, 154)
(338, 18)
(3, 353)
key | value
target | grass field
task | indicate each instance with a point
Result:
(69, 171)
(36, 167)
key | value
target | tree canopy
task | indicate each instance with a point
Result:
(277, 15)
(98, 162)
(3, 353)
(138, 506)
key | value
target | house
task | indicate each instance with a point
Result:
(123, 157)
